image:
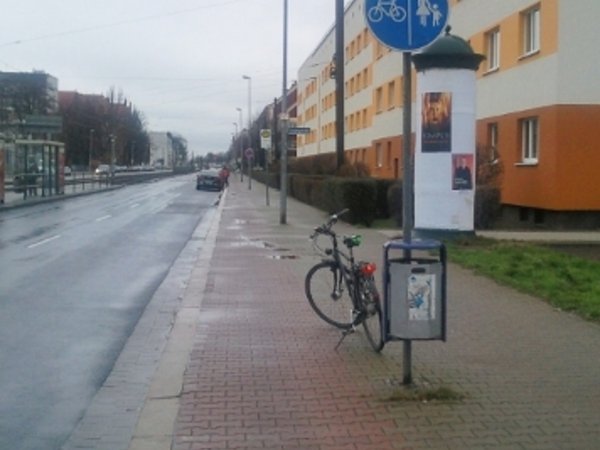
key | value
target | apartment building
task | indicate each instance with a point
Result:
(29, 104)
(538, 102)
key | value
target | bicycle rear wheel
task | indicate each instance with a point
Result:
(371, 305)
(328, 294)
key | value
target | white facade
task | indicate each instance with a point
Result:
(161, 149)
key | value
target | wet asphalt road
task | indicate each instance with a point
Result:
(75, 276)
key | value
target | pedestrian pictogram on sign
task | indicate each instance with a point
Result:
(406, 24)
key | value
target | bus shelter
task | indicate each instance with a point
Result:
(36, 167)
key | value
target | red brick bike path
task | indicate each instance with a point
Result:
(264, 373)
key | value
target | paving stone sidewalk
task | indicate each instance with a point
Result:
(263, 372)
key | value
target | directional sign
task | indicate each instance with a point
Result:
(406, 24)
(265, 138)
(298, 130)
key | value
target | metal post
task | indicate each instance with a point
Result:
(112, 159)
(284, 125)
(339, 81)
(407, 190)
(241, 145)
(90, 150)
(246, 77)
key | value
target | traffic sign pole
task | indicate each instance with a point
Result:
(407, 25)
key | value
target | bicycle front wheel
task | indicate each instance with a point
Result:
(371, 305)
(328, 294)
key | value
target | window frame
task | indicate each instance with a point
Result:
(391, 94)
(379, 100)
(530, 140)
(492, 42)
(531, 30)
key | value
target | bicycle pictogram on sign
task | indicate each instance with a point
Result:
(406, 24)
(387, 8)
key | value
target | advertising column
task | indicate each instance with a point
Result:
(445, 163)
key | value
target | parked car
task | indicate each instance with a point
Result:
(103, 169)
(67, 171)
(209, 179)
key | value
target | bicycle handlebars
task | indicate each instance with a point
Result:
(326, 228)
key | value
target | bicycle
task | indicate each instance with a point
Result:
(342, 291)
(387, 8)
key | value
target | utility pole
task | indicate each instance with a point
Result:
(250, 159)
(339, 81)
(112, 159)
(284, 125)
(90, 150)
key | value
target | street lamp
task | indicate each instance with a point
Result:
(90, 150)
(241, 149)
(284, 122)
(235, 136)
(246, 77)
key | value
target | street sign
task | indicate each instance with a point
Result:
(406, 24)
(265, 138)
(298, 130)
(249, 153)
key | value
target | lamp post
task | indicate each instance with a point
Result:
(339, 81)
(90, 150)
(235, 136)
(284, 123)
(241, 146)
(246, 77)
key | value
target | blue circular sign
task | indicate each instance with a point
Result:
(406, 24)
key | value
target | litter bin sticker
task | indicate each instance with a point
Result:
(421, 297)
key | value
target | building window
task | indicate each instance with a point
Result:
(378, 100)
(389, 155)
(530, 140)
(493, 142)
(378, 155)
(531, 30)
(391, 94)
(493, 49)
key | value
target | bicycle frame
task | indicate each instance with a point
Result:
(350, 271)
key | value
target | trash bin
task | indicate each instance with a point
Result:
(414, 306)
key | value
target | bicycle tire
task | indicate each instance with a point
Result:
(333, 307)
(375, 14)
(371, 304)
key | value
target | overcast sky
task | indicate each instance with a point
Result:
(180, 62)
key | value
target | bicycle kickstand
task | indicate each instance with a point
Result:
(344, 334)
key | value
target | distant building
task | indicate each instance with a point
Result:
(161, 149)
(538, 102)
(29, 104)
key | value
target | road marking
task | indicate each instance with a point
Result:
(45, 241)
(100, 219)
(134, 205)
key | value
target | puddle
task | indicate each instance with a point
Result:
(254, 243)
(282, 257)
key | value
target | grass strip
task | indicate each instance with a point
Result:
(567, 282)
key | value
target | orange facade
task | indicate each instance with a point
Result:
(566, 175)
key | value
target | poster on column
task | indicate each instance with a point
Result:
(436, 122)
(462, 172)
